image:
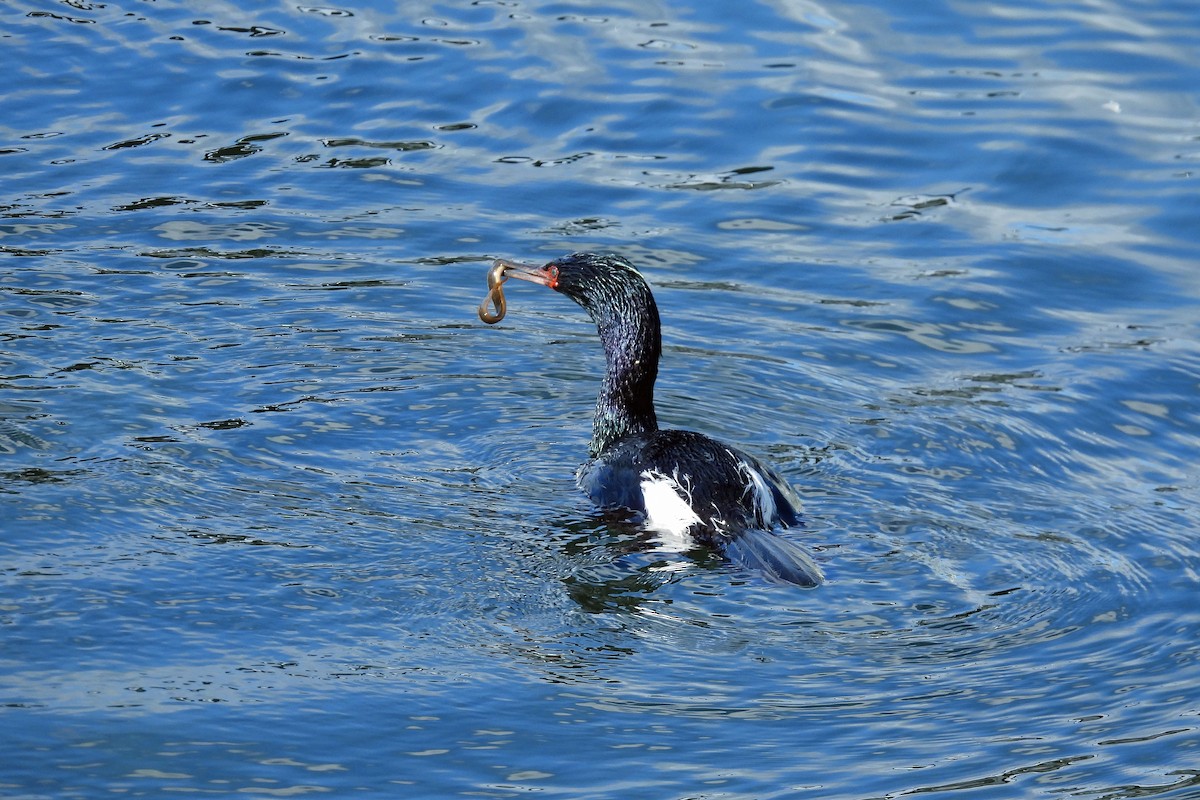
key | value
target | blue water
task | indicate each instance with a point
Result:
(281, 517)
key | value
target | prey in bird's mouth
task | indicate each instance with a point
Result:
(503, 269)
(495, 295)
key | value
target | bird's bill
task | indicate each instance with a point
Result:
(526, 272)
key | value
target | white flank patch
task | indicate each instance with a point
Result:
(763, 499)
(668, 511)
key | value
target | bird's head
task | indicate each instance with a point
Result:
(600, 282)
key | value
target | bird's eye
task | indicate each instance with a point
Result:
(554, 272)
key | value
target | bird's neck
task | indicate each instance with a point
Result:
(632, 345)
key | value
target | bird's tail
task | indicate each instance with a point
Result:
(778, 559)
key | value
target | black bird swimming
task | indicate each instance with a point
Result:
(684, 484)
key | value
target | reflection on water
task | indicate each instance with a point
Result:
(281, 517)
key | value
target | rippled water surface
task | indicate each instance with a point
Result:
(281, 517)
